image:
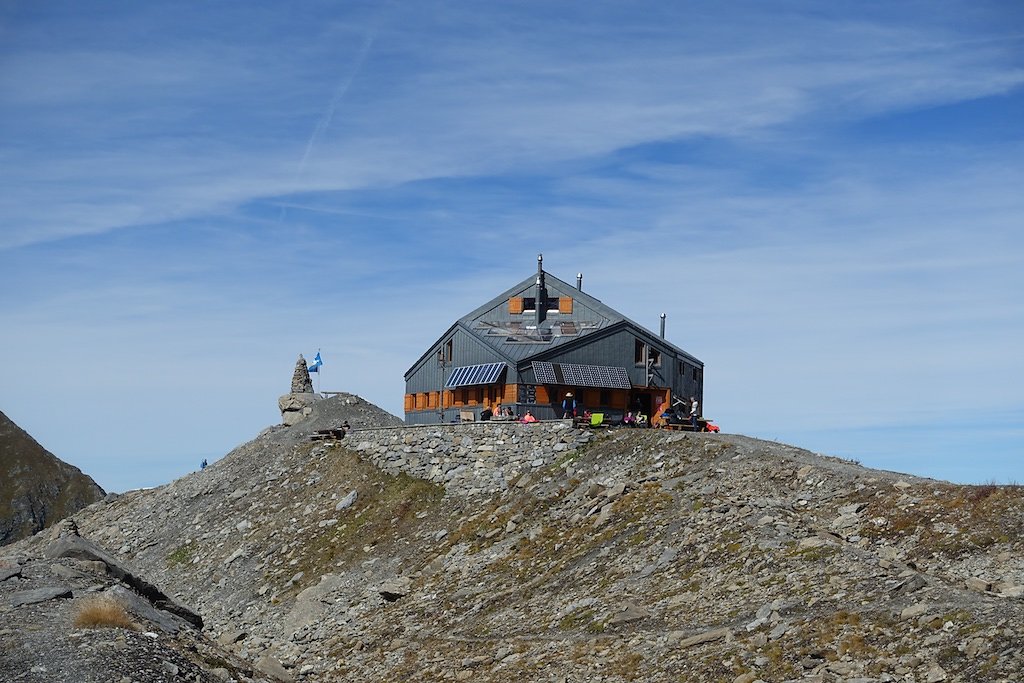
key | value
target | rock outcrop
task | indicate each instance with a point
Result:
(71, 612)
(297, 404)
(36, 488)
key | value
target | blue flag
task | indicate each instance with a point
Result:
(317, 362)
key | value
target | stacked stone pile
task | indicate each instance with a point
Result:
(297, 403)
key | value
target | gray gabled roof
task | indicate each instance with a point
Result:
(589, 317)
(493, 326)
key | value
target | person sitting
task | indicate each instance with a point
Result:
(528, 418)
(629, 420)
(641, 420)
(486, 414)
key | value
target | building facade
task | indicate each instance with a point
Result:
(537, 342)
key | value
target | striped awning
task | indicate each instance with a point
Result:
(471, 375)
(571, 374)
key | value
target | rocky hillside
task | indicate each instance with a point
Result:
(36, 489)
(628, 555)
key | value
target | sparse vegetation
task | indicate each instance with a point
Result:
(183, 554)
(950, 520)
(103, 612)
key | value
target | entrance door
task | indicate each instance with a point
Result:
(641, 403)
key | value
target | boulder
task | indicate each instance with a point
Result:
(36, 595)
(296, 407)
(395, 588)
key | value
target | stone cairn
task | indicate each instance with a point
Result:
(297, 404)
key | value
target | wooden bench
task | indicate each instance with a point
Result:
(702, 425)
(327, 435)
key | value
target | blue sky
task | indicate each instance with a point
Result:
(825, 199)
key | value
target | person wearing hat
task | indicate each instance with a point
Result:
(569, 406)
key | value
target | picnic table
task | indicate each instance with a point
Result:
(327, 434)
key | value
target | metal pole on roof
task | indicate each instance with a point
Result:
(441, 361)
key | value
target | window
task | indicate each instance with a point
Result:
(515, 305)
(551, 303)
(448, 350)
(645, 355)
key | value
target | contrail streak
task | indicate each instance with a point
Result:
(325, 121)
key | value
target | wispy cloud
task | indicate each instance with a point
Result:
(490, 101)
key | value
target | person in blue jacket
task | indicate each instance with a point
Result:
(569, 406)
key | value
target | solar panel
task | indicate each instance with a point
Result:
(603, 376)
(545, 372)
(470, 375)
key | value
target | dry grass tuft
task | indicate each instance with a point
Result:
(104, 612)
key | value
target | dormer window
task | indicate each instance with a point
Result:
(530, 304)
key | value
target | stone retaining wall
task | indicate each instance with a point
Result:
(468, 458)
